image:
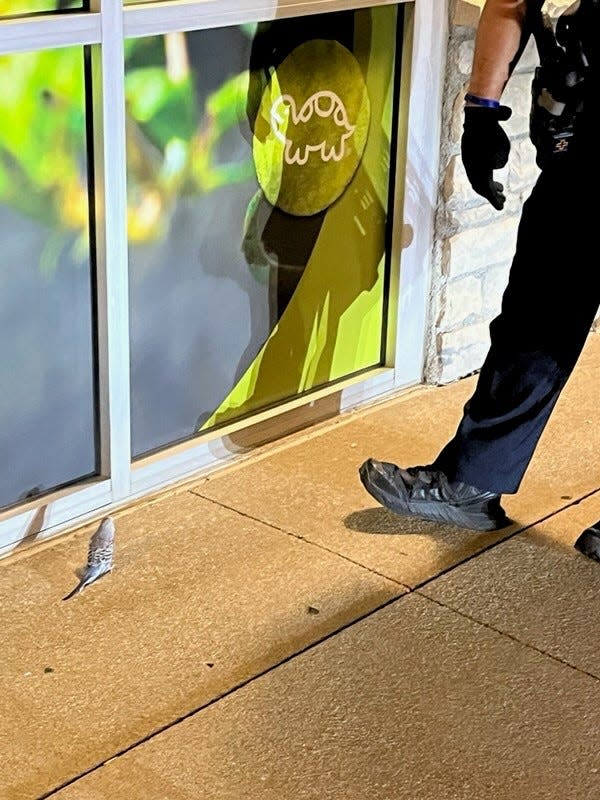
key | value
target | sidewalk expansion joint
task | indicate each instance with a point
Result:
(510, 636)
(507, 538)
(302, 538)
(183, 717)
(409, 591)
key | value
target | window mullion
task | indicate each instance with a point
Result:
(111, 248)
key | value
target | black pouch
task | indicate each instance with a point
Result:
(551, 123)
(557, 89)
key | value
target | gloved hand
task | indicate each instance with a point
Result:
(484, 148)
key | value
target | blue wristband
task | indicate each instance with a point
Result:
(484, 102)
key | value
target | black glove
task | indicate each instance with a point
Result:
(484, 148)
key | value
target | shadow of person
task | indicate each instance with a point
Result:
(332, 320)
(381, 522)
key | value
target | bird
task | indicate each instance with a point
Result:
(100, 555)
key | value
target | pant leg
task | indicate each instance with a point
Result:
(547, 310)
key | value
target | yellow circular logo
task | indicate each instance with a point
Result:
(311, 129)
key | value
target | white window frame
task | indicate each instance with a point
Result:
(105, 27)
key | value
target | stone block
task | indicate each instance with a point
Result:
(456, 187)
(462, 352)
(523, 171)
(465, 208)
(467, 12)
(477, 248)
(462, 304)
(459, 219)
(456, 120)
(517, 95)
(465, 57)
(494, 283)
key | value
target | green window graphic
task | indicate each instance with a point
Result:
(258, 214)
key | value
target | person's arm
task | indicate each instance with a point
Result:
(501, 37)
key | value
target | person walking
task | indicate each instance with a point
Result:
(548, 307)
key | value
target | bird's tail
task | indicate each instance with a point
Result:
(75, 591)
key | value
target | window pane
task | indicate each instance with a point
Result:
(47, 416)
(258, 188)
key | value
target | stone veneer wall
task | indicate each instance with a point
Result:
(474, 242)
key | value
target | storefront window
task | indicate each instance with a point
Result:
(47, 363)
(202, 230)
(258, 162)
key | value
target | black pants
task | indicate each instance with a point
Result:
(547, 311)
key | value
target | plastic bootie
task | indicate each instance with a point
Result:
(589, 542)
(426, 493)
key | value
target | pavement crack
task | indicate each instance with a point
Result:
(508, 635)
(503, 539)
(302, 538)
(231, 690)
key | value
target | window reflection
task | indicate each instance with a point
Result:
(47, 414)
(13, 8)
(257, 247)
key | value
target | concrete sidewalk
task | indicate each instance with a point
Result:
(270, 632)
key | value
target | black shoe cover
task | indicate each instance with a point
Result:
(426, 493)
(589, 542)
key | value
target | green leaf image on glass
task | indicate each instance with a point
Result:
(172, 139)
(164, 106)
(43, 172)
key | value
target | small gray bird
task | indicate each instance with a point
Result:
(100, 555)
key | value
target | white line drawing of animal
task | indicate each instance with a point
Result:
(324, 103)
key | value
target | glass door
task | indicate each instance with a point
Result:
(259, 191)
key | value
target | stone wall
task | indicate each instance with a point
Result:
(474, 242)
